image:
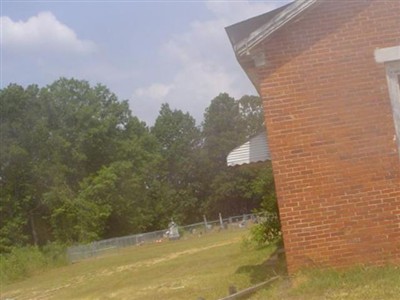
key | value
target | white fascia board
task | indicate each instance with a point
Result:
(244, 46)
(387, 54)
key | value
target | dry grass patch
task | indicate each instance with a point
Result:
(353, 284)
(185, 269)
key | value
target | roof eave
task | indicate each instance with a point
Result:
(243, 47)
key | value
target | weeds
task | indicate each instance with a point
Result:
(356, 283)
(23, 262)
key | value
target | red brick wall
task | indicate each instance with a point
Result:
(330, 126)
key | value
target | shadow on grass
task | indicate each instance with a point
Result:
(273, 266)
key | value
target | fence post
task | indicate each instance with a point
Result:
(205, 222)
(220, 221)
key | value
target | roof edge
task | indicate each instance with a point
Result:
(255, 149)
(285, 16)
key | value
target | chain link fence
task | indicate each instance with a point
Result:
(80, 252)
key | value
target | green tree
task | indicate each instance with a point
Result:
(91, 120)
(252, 113)
(76, 166)
(227, 124)
(179, 140)
(223, 128)
(23, 153)
(63, 146)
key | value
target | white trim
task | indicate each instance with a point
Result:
(387, 54)
(243, 47)
(392, 75)
(391, 57)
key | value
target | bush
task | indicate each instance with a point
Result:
(23, 262)
(55, 254)
(267, 231)
(268, 227)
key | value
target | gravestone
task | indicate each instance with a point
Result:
(173, 232)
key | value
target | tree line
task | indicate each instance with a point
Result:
(77, 165)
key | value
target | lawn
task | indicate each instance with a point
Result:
(357, 283)
(195, 267)
(190, 268)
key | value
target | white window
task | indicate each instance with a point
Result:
(391, 58)
(393, 77)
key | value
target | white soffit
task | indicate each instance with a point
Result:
(254, 150)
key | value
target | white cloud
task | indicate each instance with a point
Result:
(237, 11)
(42, 33)
(207, 65)
(156, 91)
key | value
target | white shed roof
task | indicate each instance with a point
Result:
(254, 150)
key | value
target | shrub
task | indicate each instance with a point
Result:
(55, 254)
(267, 230)
(268, 227)
(23, 262)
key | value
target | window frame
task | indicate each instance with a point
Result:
(393, 77)
(391, 58)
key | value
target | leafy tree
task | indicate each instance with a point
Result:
(12, 223)
(231, 192)
(60, 142)
(227, 124)
(223, 128)
(90, 120)
(23, 147)
(179, 139)
(76, 166)
(74, 219)
(252, 113)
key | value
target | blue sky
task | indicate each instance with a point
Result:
(147, 52)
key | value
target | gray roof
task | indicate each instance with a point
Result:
(247, 34)
(256, 149)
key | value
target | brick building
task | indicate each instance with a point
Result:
(328, 73)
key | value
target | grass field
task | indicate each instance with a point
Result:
(372, 283)
(186, 269)
(199, 267)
